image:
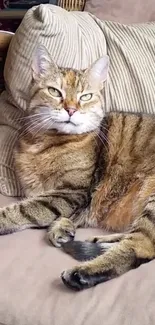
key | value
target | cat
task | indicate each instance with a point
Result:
(81, 167)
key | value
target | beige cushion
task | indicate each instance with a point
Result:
(75, 39)
(122, 11)
(31, 291)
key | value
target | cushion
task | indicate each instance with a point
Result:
(72, 4)
(31, 291)
(75, 39)
(121, 11)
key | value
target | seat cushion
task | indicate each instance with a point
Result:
(31, 291)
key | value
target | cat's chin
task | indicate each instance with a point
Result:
(71, 128)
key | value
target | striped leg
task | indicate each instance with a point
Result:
(135, 248)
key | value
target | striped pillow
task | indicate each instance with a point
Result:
(75, 39)
(72, 4)
(132, 64)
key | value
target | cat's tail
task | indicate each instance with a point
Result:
(83, 250)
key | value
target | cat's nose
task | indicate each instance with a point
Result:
(71, 111)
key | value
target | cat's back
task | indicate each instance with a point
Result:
(131, 130)
(131, 138)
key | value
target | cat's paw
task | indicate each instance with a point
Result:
(75, 279)
(80, 278)
(61, 231)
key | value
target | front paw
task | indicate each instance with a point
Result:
(61, 231)
(75, 279)
(80, 278)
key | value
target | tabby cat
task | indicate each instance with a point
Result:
(79, 167)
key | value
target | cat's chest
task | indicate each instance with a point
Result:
(66, 167)
(57, 167)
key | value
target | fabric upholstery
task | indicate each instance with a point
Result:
(31, 291)
(72, 4)
(126, 12)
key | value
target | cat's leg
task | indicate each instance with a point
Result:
(28, 213)
(136, 247)
(62, 230)
(113, 238)
(38, 212)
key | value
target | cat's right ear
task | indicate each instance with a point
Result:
(98, 71)
(42, 62)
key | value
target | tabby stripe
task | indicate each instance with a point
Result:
(149, 215)
(122, 131)
(149, 136)
(25, 214)
(140, 230)
(135, 133)
(151, 200)
(71, 201)
(50, 207)
(140, 260)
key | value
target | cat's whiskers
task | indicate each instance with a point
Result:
(102, 141)
(103, 136)
(45, 125)
(29, 117)
(100, 135)
(32, 122)
(30, 126)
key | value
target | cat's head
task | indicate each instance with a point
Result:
(67, 100)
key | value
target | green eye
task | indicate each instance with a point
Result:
(86, 97)
(54, 92)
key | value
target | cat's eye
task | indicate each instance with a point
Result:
(54, 92)
(86, 97)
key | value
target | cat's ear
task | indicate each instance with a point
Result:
(98, 71)
(42, 62)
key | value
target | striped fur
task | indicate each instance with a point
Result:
(102, 176)
(123, 202)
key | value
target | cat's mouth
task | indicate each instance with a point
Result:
(70, 122)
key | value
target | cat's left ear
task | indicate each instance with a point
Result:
(98, 71)
(42, 62)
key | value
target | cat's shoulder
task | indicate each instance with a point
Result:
(129, 116)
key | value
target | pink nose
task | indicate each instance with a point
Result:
(71, 111)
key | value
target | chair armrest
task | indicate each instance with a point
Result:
(5, 38)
